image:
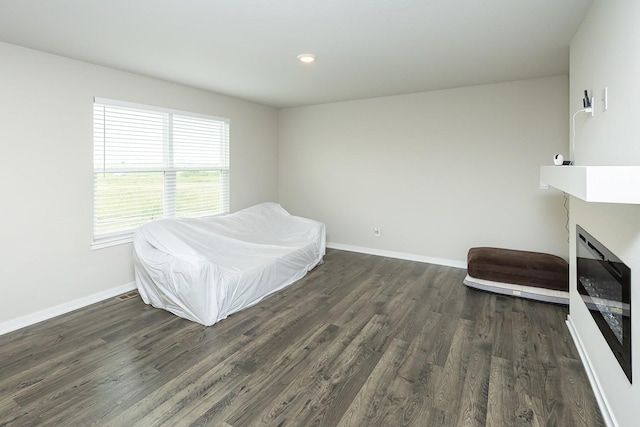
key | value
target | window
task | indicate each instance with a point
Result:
(151, 163)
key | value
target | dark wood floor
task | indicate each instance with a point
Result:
(361, 341)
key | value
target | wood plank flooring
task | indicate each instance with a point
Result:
(360, 341)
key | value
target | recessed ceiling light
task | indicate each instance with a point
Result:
(307, 58)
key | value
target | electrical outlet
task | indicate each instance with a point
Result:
(376, 231)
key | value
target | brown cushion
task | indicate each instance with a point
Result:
(519, 267)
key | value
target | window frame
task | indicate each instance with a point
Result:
(169, 170)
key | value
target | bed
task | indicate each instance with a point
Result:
(523, 274)
(205, 269)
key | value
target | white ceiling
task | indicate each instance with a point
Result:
(248, 48)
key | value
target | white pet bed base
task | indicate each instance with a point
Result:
(530, 292)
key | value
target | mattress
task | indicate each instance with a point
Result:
(205, 269)
(533, 269)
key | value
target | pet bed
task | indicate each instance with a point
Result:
(205, 269)
(523, 274)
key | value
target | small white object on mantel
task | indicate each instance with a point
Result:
(603, 184)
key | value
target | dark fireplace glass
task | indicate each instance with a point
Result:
(604, 283)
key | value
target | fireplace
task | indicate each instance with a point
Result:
(604, 283)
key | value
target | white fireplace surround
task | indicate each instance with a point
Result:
(610, 192)
(604, 184)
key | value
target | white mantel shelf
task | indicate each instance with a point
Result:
(604, 184)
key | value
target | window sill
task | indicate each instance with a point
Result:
(110, 241)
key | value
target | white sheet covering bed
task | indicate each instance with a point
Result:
(205, 269)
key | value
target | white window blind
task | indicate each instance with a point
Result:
(151, 163)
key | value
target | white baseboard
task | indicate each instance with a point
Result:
(39, 316)
(607, 414)
(398, 255)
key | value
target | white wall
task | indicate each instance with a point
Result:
(46, 166)
(439, 172)
(606, 52)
